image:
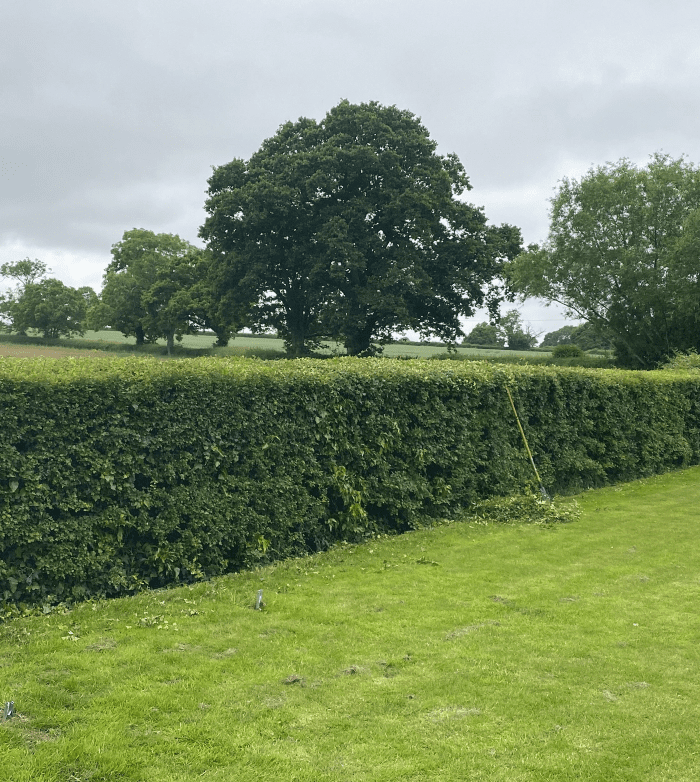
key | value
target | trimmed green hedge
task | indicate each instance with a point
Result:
(117, 474)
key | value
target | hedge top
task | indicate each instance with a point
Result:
(129, 370)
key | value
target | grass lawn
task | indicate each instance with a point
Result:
(465, 652)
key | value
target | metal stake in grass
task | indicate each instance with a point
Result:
(8, 711)
(259, 601)
(543, 491)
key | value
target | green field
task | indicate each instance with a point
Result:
(240, 345)
(252, 342)
(470, 651)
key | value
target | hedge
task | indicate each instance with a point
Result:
(117, 474)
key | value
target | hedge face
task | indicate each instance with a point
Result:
(124, 473)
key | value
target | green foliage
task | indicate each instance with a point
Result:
(352, 229)
(507, 330)
(52, 308)
(516, 335)
(157, 287)
(622, 253)
(46, 305)
(123, 473)
(585, 336)
(531, 359)
(567, 351)
(25, 272)
(485, 334)
(521, 340)
(592, 336)
(688, 362)
(562, 336)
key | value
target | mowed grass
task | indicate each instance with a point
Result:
(464, 652)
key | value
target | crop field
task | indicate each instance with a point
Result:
(469, 651)
(241, 345)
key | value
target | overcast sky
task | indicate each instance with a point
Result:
(113, 113)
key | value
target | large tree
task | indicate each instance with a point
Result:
(51, 307)
(150, 287)
(352, 228)
(24, 272)
(623, 253)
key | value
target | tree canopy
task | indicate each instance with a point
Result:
(352, 228)
(623, 253)
(24, 272)
(486, 334)
(153, 288)
(508, 330)
(584, 336)
(562, 336)
(51, 307)
(46, 305)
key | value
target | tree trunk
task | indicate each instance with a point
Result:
(295, 344)
(171, 342)
(222, 337)
(359, 341)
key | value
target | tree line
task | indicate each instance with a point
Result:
(354, 228)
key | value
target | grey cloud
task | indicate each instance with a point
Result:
(114, 113)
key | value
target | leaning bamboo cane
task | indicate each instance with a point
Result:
(543, 491)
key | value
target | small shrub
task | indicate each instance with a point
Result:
(521, 340)
(567, 351)
(688, 361)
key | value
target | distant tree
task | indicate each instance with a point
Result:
(24, 272)
(485, 334)
(516, 335)
(352, 228)
(589, 336)
(119, 306)
(149, 287)
(561, 336)
(211, 311)
(586, 336)
(622, 253)
(52, 308)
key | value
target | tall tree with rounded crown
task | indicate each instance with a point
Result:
(352, 228)
(623, 253)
